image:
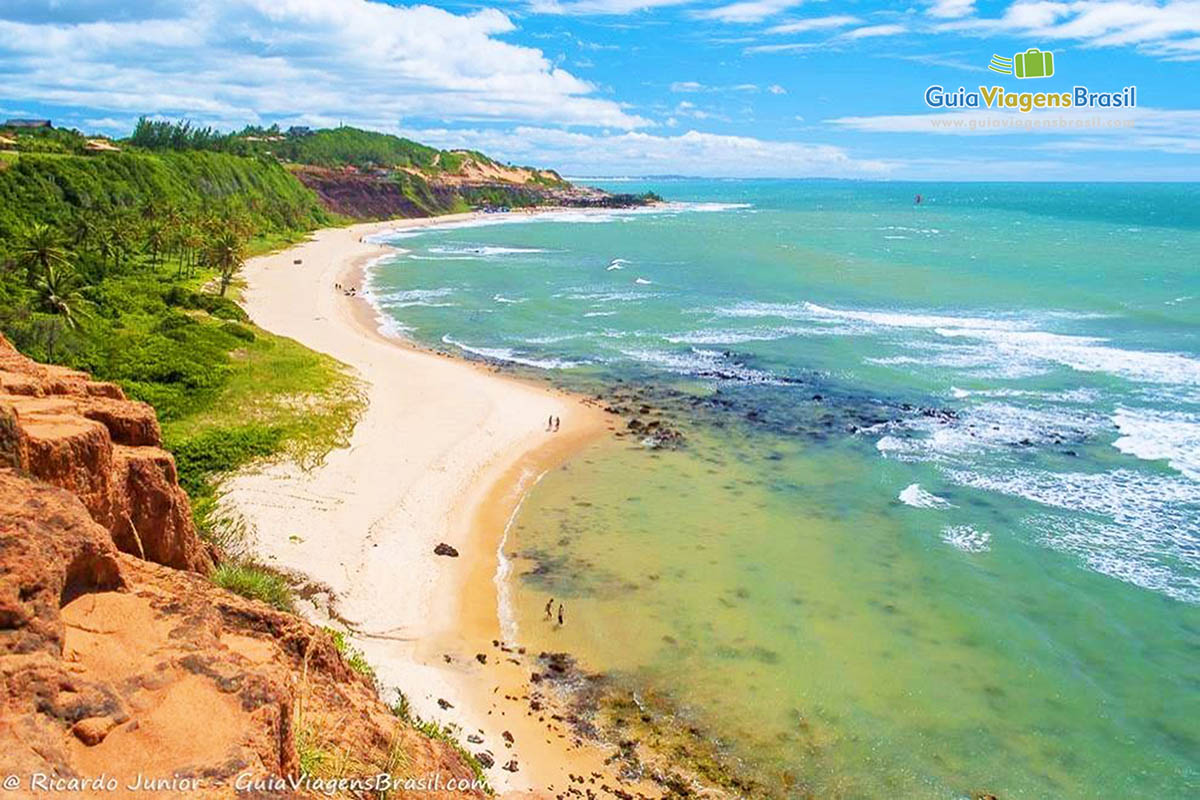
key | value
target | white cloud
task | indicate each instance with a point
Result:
(1169, 29)
(748, 10)
(814, 23)
(870, 31)
(1128, 129)
(951, 9)
(691, 87)
(600, 7)
(637, 153)
(321, 61)
(775, 88)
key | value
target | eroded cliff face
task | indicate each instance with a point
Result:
(119, 659)
(61, 427)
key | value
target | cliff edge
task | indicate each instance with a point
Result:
(120, 661)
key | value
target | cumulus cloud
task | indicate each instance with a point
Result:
(319, 61)
(639, 153)
(951, 9)
(1168, 29)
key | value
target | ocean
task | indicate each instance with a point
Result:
(934, 529)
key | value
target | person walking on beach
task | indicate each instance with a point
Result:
(556, 423)
(550, 422)
(549, 607)
(560, 614)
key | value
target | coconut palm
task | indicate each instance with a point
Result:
(58, 293)
(40, 248)
(156, 241)
(226, 254)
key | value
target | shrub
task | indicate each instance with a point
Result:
(255, 583)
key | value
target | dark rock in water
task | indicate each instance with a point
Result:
(444, 549)
(511, 766)
(485, 760)
(481, 658)
(444, 704)
(475, 738)
(507, 737)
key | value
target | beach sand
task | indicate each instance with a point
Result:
(443, 453)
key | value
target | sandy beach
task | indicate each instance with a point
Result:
(443, 453)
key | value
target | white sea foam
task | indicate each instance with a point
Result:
(1152, 435)
(1000, 345)
(698, 362)
(735, 336)
(599, 313)
(485, 250)
(967, 538)
(505, 607)
(1119, 552)
(641, 281)
(606, 297)
(1084, 353)
(986, 427)
(913, 495)
(499, 298)
(405, 298)
(592, 216)
(511, 356)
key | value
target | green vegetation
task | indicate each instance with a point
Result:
(256, 583)
(118, 264)
(434, 730)
(353, 657)
(331, 147)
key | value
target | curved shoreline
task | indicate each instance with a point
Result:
(443, 453)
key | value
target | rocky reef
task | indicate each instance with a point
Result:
(121, 662)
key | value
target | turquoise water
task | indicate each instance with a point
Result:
(936, 527)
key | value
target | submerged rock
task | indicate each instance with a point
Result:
(444, 549)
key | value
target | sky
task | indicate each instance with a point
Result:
(721, 88)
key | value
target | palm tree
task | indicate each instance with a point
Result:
(40, 249)
(58, 293)
(156, 241)
(226, 254)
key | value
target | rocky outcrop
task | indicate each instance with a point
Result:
(114, 666)
(61, 427)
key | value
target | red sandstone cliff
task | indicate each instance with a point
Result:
(60, 426)
(111, 665)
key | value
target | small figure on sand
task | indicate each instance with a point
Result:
(550, 422)
(556, 423)
(560, 614)
(549, 607)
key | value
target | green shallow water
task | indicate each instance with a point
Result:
(936, 529)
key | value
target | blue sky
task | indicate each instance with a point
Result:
(619, 87)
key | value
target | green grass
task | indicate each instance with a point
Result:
(435, 730)
(255, 583)
(353, 657)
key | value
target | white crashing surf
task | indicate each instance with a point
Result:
(1168, 436)
(967, 538)
(509, 355)
(913, 495)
